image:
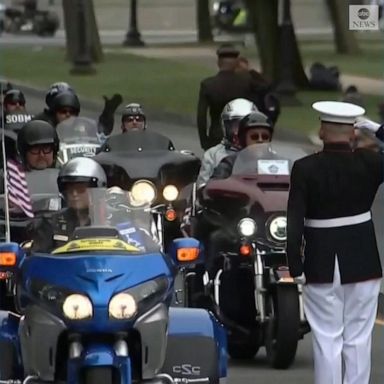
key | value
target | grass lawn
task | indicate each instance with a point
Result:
(159, 84)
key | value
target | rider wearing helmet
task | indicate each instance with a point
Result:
(14, 101)
(15, 114)
(254, 128)
(106, 119)
(74, 181)
(65, 105)
(38, 144)
(232, 113)
(133, 118)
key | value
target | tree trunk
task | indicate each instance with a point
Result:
(345, 40)
(95, 43)
(69, 12)
(203, 21)
(72, 32)
(264, 19)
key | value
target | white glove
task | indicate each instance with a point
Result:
(300, 279)
(363, 123)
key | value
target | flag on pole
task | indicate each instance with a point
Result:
(18, 193)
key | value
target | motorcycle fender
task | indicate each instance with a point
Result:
(39, 333)
(197, 346)
(96, 355)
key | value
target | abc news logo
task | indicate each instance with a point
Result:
(363, 17)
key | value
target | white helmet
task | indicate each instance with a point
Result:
(232, 113)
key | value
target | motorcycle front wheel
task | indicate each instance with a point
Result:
(97, 375)
(282, 329)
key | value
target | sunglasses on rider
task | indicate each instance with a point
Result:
(66, 111)
(134, 118)
(15, 103)
(260, 136)
(37, 149)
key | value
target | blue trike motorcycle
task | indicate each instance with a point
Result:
(97, 308)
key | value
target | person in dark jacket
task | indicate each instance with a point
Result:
(331, 244)
(217, 91)
(106, 119)
(254, 128)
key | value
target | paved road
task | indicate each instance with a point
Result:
(256, 371)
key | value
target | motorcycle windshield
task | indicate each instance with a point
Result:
(267, 159)
(43, 192)
(112, 222)
(78, 138)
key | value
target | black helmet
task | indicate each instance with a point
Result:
(36, 132)
(14, 95)
(66, 99)
(253, 120)
(133, 109)
(55, 89)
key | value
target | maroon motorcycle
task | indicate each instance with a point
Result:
(250, 287)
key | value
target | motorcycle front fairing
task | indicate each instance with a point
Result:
(47, 336)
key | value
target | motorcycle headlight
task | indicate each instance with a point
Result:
(247, 227)
(278, 228)
(77, 307)
(170, 193)
(138, 299)
(216, 6)
(143, 191)
(122, 306)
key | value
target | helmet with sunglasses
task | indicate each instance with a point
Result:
(133, 109)
(253, 120)
(55, 89)
(66, 99)
(14, 96)
(232, 113)
(82, 170)
(36, 132)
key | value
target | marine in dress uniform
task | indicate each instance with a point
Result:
(216, 91)
(331, 245)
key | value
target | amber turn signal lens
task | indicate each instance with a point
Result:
(170, 215)
(187, 254)
(8, 259)
(245, 250)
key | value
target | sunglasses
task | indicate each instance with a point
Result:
(37, 149)
(260, 137)
(15, 103)
(134, 118)
(66, 111)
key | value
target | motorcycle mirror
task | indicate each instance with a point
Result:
(186, 251)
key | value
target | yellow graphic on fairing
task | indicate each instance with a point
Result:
(96, 244)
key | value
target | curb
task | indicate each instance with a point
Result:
(162, 116)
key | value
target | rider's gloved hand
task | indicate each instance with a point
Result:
(110, 105)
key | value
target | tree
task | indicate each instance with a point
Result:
(73, 29)
(269, 38)
(345, 39)
(203, 21)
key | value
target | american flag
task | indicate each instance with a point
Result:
(18, 193)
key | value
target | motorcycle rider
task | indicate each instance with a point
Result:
(232, 113)
(133, 118)
(38, 145)
(106, 119)
(254, 128)
(74, 181)
(15, 113)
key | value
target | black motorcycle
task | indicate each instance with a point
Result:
(40, 22)
(148, 162)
